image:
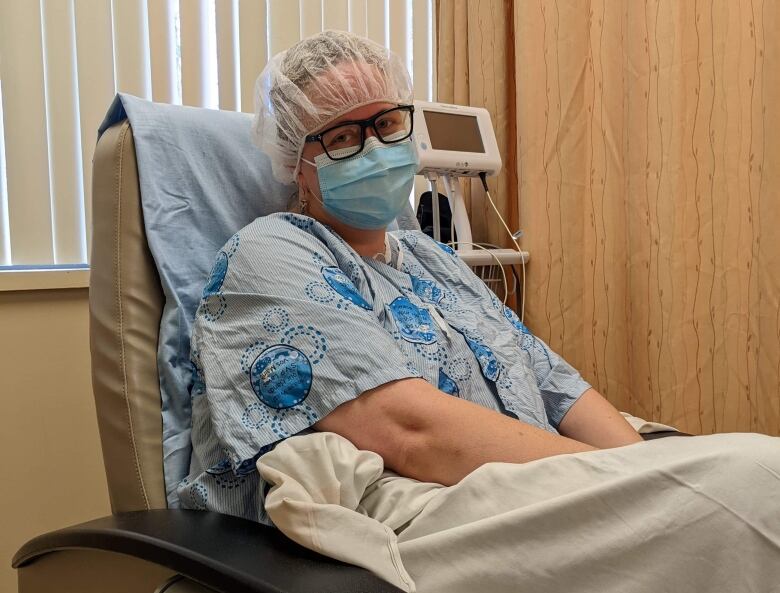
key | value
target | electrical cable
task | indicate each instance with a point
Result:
(493, 255)
(483, 177)
(515, 277)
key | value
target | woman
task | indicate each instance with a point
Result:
(323, 321)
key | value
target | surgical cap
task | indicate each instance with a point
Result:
(316, 81)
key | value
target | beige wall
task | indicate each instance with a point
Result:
(52, 463)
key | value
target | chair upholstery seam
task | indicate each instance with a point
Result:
(118, 288)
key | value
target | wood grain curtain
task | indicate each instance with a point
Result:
(642, 140)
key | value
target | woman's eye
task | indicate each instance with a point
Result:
(342, 139)
(385, 124)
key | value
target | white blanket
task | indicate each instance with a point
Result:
(680, 514)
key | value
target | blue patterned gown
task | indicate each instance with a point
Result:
(294, 323)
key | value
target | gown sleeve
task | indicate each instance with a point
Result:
(282, 337)
(560, 385)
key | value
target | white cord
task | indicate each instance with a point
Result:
(522, 259)
(493, 255)
(514, 276)
(435, 207)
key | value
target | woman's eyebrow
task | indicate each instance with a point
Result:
(338, 122)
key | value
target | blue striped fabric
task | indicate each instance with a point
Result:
(293, 323)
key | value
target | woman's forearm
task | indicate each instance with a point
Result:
(430, 436)
(463, 436)
(593, 420)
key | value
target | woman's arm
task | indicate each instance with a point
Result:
(424, 434)
(593, 420)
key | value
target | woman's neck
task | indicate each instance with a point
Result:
(365, 242)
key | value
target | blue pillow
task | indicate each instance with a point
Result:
(201, 181)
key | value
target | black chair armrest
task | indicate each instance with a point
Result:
(228, 554)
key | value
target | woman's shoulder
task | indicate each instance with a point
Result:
(282, 247)
(419, 243)
(285, 235)
(280, 224)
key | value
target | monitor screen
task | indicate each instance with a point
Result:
(452, 131)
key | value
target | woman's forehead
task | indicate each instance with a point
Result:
(362, 112)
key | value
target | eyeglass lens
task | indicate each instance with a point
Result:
(392, 126)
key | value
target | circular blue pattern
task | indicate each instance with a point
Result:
(410, 239)
(412, 268)
(427, 290)
(319, 292)
(414, 323)
(431, 352)
(275, 320)
(339, 282)
(470, 333)
(278, 419)
(460, 369)
(199, 496)
(255, 416)
(308, 340)
(249, 355)
(217, 275)
(213, 307)
(526, 341)
(281, 376)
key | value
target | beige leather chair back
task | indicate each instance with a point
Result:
(125, 302)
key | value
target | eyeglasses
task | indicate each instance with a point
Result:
(348, 138)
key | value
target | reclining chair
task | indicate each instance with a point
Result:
(143, 545)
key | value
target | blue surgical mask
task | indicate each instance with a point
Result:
(370, 189)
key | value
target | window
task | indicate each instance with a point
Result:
(62, 61)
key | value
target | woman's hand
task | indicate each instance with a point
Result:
(595, 421)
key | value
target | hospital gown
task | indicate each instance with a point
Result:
(293, 323)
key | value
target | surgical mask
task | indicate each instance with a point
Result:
(370, 189)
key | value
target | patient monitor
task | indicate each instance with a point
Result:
(456, 141)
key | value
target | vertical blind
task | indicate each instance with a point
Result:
(61, 62)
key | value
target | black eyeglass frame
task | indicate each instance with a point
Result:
(364, 123)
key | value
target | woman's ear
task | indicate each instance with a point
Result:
(307, 184)
(303, 188)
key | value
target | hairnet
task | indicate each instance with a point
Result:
(314, 82)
